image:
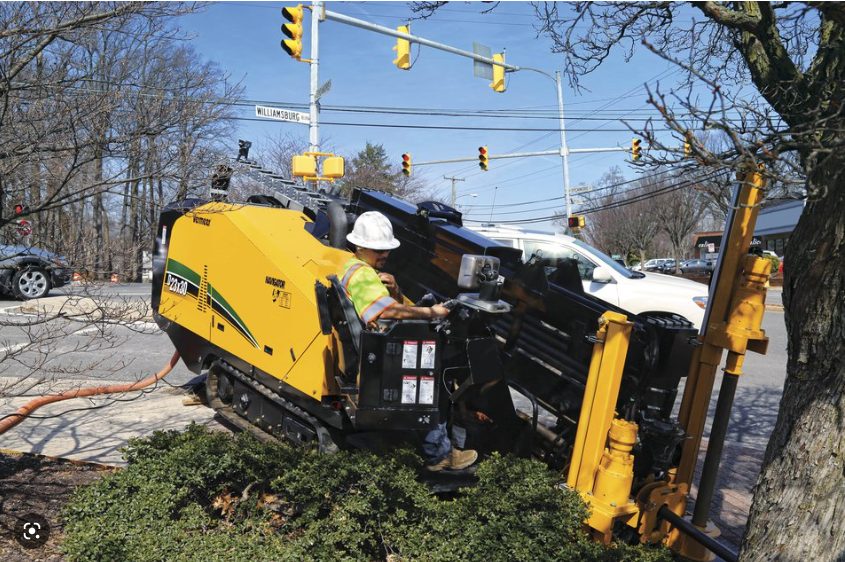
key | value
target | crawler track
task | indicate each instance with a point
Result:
(252, 407)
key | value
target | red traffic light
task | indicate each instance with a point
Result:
(483, 161)
(19, 209)
(406, 158)
(406, 164)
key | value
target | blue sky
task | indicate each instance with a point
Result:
(243, 38)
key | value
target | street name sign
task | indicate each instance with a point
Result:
(280, 114)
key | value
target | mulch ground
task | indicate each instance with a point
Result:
(42, 485)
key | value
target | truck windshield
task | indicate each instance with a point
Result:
(608, 261)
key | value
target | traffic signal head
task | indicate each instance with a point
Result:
(482, 158)
(498, 83)
(636, 149)
(293, 30)
(403, 50)
(19, 209)
(688, 146)
(406, 164)
(576, 221)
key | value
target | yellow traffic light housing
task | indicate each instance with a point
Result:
(406, 164)
(576, 222)
(403, 49)
(498, 83)
(293, 46)
(304, 166)
(636, 149)
(333, 167)
(688, 146)
(483, 158)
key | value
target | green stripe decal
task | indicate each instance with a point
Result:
(215, 295)
(183, 271)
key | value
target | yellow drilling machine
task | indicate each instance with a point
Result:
(249, 294)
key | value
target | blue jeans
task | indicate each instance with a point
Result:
(436, 444)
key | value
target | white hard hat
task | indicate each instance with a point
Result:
(373, 230)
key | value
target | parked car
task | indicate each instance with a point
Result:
(27, 272)
(697, 266)
(667, 267)
(655, 264)
(602, 277)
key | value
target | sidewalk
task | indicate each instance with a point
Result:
(95, 429)
(738, 473)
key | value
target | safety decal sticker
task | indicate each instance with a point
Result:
(426, 390)
(409, 354)
(281, 298)
(409, 390)
(429, 349)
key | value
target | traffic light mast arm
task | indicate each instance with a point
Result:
(521, 155)
(355, 22)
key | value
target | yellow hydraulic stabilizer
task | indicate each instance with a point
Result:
(603, 475)
(734, 324)
(242, 277)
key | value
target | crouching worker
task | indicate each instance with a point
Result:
(376, 295)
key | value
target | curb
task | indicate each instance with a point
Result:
(774, 307)
(76, 462)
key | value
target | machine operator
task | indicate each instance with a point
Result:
(376, 295)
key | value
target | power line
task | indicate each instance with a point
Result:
(454, 127)
(613, 204)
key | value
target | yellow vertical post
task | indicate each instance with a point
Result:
(600, 396)
(696, 400)
(735, 309)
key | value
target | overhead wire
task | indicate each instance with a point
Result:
(613, 205)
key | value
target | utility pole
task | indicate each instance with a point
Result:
(314, 107)
(564, 149)
(454, 193)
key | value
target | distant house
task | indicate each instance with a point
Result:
(775, 223)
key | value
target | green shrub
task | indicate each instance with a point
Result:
(775, 263)
(203, 495)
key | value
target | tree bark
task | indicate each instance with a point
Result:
(798, 512)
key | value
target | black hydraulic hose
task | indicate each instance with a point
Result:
(338, 225)
(708, 542)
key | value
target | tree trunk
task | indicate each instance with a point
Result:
(798, 511)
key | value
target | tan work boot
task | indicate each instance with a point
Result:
(456, 460)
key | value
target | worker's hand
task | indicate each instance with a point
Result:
(390, 283)
(482, 417)
(440, 311)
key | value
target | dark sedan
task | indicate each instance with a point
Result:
(27, 272)
(697, 266)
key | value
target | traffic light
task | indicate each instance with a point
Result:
(636, 149)
(577, 221)
(482, 158)
(20, 209)
(498, 83)
(406, 164)
(688, 146)
(293, 46)
(403, 49)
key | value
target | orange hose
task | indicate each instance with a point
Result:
(33, 405)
